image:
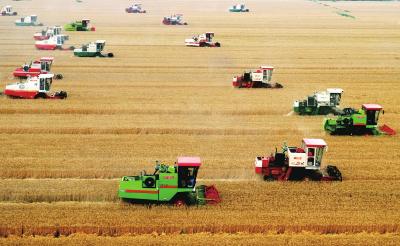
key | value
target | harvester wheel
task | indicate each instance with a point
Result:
(40, 96)
(179, 202)
(269, 178)
(110, 55)
(217, 44)
(149, 182)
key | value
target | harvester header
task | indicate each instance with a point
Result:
(169, 184)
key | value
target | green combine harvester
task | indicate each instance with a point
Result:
(320, 103)
(83, 25)
(358, 122)
(92, 49)
(169, 184)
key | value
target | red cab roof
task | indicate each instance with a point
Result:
(314, 142)
(187, 161)
(372, 106)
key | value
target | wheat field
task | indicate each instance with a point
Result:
(157, 99)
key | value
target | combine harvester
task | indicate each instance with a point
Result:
(7, 11)
(364, 121)
(259, 78)
(320, 103)
(297, 164)
(33, 88)
(54, 42)
(47, 33)
(202, 40)
(36, 68)
(176, 19)
(83, 25)
(92, 49)
(135, 8)
(169, 184)
(238, 8)
(30, 20)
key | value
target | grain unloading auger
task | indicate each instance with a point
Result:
(92, 49)
(258, 78)
(169, 184)
(297, 164)
(364, 121)
(320, 103)
(35, 68)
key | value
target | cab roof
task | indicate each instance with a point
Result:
(266, 67)
(314, 142)
(47, 58)
(334, 90)
(371, 106)
(187, 161)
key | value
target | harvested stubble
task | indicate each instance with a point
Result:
(156, 100)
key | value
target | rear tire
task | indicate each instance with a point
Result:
(217, 44)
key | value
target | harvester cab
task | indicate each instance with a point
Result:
(295, 163)
(7, 10)
(169, 184)
(358, 122)
(202, 40)
(258, 78)
(33, 88)
(320, 103)
(47, 33)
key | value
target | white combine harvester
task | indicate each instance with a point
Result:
(202, 40)
(135, 8)
(320, 103)
(7, 11)
(33, 88)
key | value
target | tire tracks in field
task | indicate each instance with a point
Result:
(146, 131)
(73, 111)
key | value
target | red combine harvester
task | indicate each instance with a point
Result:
(54, 42)
(36, 68)
(258, 78)
(297, 164)
(33, 88)
(47, 33)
